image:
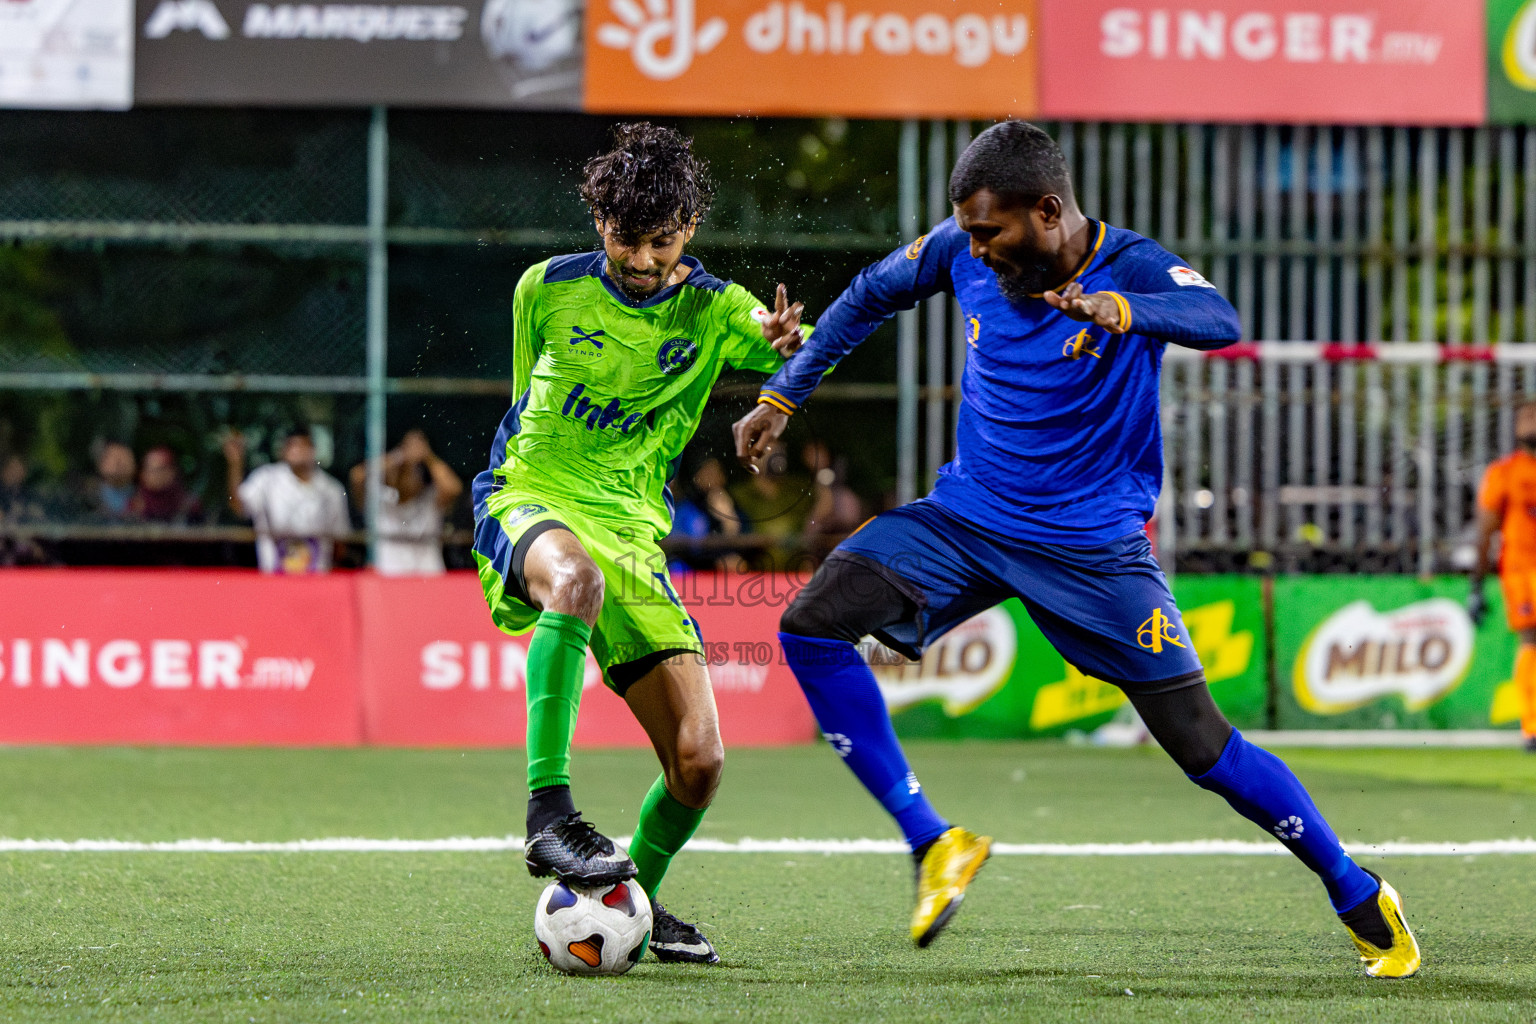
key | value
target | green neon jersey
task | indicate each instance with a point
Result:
(607, 391)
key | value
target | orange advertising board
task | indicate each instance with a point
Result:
(855, 58)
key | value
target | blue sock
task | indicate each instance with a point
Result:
(1262, 789)
(848, 706)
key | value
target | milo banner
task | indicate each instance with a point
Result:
(1389, 652)
(1511, 61)
(998, 676)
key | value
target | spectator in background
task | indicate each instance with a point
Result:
(705, 509)
(835, 509)
(774, 504)
(107, 493)
(418, 490)
(161, 497)
(299, 511)
(19, 506)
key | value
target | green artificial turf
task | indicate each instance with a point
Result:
(447, 936)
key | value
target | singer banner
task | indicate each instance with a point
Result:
(187, 657)
(1322, 61)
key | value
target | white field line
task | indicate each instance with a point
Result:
(495, 844)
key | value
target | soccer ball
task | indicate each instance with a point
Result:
(593, 931)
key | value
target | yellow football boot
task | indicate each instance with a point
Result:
(947, 868)
(1401, 959)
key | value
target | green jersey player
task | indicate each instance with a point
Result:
(614, 356)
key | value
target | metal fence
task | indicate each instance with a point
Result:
(1350, 235)
(362, 261)
(1340, 457)
(1343, 234)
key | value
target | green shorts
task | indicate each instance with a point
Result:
(642, 615)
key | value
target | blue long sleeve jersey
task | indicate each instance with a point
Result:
(1058, 439)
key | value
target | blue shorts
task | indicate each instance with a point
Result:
(1107, 609)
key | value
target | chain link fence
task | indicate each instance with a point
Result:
(158, 262)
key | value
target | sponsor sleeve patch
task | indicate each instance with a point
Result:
(1187, 278)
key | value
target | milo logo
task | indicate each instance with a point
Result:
(1519, 50)
(960, 670)
(1419, 653)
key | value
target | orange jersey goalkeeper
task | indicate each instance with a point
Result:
(1506, 505)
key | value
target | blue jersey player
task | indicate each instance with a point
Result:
(1057, 468)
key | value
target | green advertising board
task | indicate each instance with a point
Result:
(1511, 61)
(1389, 652)
(997, 675)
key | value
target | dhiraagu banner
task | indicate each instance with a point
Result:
(1390, 652)
(997, 676)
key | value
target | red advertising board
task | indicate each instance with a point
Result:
(436, 672)
(236, 658)
(1296, 61)
(184, 657)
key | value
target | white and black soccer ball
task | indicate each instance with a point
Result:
(593, 931)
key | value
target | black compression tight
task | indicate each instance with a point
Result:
(1187, 724)
(847, 600)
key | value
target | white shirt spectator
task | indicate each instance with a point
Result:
(410, 534)
(297, 521)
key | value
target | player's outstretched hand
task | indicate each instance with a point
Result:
(781, 327)
(756, 433)
(1092, 308)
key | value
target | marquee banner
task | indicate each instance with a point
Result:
(460, 53)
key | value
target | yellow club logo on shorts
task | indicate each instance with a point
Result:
(1158, 630)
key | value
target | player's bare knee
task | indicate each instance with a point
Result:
(577, 589)
(696, 768)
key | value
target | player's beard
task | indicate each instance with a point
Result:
(1028, 281)
(616, 275)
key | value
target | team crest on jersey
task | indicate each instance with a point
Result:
(676, 356)
(1080, 344)
(527, 510)
(972, 330)
(916, 247)
(1187, 278)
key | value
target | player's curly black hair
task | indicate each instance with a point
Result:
(1017, 160)
(650, 181)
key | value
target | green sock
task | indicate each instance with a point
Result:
(665, 826)
(557, 657)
